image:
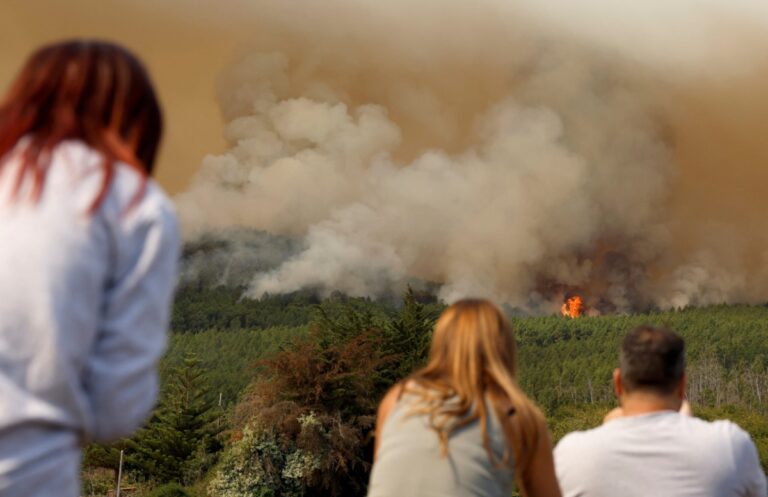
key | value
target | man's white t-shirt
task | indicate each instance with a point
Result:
(657, 455)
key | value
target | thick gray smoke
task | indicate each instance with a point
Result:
(232, 256)
(554, 180)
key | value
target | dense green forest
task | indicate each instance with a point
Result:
(276, 396)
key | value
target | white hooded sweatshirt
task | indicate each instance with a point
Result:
(84, 309)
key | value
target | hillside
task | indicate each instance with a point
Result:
(277, 359)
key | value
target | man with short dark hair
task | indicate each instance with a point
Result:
(648, 447)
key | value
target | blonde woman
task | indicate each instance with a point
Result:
(461, 426)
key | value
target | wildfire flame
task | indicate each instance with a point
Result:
(573, 307)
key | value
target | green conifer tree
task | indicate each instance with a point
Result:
(406, 338)
(180, 439)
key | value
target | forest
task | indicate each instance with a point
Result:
(276, 396)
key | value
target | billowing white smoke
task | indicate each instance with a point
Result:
(565, 160)
(563, 165)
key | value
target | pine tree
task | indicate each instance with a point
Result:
(180, 438)
(407, 338)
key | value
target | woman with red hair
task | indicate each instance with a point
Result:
(88, 254)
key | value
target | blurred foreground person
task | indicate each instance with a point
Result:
(88, 255)
(461, 426)
(652, 447)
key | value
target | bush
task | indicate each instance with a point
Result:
(97, 482)
(170, 490)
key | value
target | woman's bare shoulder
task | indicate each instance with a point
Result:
(390, 398)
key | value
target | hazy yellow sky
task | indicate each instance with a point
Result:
(718, 125)
(183, 54)
(704, 66)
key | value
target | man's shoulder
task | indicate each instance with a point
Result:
(578, 453)
(580, 440)
(722, 428)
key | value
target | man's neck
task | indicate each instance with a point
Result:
(637, 403)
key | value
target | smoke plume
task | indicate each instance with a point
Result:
(466, 146)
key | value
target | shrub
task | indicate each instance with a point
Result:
(170, 490)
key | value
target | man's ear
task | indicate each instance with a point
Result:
(617, 386)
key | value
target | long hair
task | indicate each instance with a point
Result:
(473, 365)
(92, 91)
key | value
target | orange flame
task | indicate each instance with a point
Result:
(573, 307)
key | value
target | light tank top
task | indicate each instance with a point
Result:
(409, 460)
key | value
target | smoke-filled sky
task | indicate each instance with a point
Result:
(184, 54)
(516, 149)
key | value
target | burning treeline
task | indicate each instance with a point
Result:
(477, 154)
(573, 307)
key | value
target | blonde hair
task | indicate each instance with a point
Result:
(473, 363)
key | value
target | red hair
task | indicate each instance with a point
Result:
(93, 91)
